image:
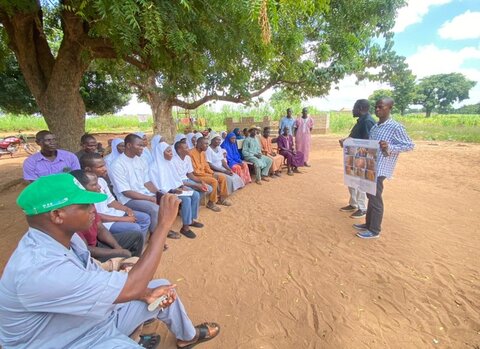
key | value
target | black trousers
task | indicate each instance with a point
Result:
(375, 208)
(130, 241)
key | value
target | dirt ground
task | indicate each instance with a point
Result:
(282, 268)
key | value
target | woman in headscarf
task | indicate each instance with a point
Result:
(218, 163)
(223, 134)
(156, 140)
(294, 158)
(166, 178)
(118, 147)
(237, 133)
(234, 160)
(146, 154)
(191, 140)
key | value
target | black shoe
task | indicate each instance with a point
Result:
(196, 224)
(189, 234)
(348, 208)
(360, 227)
(358, 214)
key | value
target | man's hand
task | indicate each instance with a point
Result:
(128, 219)
(129, 212)
(341, 142)
(154, 293)
(153, 199)
(168, 209)
(122, 252)
(384, 147)
(229, 172)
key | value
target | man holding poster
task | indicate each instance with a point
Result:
(392, 140)
(361, 130)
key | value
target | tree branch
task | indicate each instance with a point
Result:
(216, 97)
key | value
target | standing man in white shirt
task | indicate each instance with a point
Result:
(131, 182)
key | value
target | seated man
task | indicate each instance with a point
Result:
(49, 160)
(131, 180)
(267, 149)
(88, 144)
(53, 296)
(100, 242)
(202, 170)
(117, 218)
(252, 152)
(182, 163)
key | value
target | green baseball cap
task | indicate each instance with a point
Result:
(53, 192)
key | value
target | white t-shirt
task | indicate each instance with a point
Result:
(102, 207)
(129, 174)
(183, 166)
(215, 158)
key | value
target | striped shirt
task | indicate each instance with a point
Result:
(398, 141)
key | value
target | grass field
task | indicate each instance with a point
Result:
(463, 128)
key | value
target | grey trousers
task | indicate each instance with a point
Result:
(375, 208)
(132, 314)
(358, 199)
(147, 207)
(132, 241)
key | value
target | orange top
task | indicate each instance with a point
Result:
(200, 164)
(267, 145)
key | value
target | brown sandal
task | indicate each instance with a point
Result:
(203, 334)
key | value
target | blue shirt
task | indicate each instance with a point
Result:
(37, 165)
(398, 141)
(287, 122)
(55, 297)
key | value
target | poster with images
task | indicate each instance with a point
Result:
(360, 164)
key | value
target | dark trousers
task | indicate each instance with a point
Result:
(130, 241)
(375, 208)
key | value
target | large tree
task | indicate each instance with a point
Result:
(230, 50)
(304, 53)
(441, 90)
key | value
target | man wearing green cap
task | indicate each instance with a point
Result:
(52, 295)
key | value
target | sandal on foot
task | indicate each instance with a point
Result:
(265, 179)
(173, 235)
(150, 341)
(224, 202)
(188, 233)
(197, 224)
(203, 334)
(258, 182)
(213, 207)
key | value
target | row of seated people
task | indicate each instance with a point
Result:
(189, 168)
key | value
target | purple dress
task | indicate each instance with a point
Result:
(285, 148)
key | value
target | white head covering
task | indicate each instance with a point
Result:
(179, 137)
(162, 172)
(140, 134)
(155, 141)
(110, 158)
(190, 137)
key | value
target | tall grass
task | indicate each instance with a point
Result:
(463, 128)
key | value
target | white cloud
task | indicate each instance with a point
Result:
(414, 12)
(135, 107)
(464, 26)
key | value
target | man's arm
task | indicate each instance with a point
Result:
(105, 237)
(136, 287)
(400, 141)
(29, 170)
(151, 187)
(138, 196)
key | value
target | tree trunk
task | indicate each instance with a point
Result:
(428, 113)
(161, 105)
(53, 81)
(163, 123)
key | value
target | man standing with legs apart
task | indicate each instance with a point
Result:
(393, 140)
(361, 130)
(303, 134)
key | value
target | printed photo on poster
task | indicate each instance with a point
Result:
(360, 164)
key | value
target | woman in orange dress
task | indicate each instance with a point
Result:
(267, 150)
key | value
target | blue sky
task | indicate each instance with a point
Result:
(435, 36)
